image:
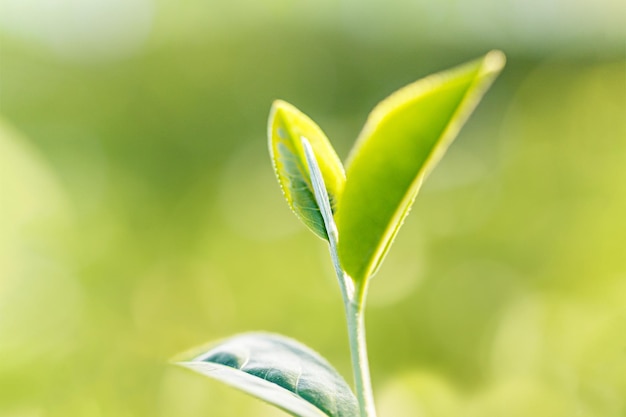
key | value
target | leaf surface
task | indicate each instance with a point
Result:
(403, 139)
(280, 371)
(287, 125)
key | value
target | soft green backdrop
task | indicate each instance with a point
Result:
(139, 215)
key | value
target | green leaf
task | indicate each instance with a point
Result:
(287, 125)
(280, 371)
(402, 140)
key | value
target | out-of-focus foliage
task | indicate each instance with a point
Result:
(140, 216)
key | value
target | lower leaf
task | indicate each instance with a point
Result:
(280, 371)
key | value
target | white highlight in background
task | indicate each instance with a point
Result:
(84, 30)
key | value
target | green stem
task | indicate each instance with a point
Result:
(360, 363)
(355, 317)
(352, 297)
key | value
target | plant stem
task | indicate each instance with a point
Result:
(355, 317)
(360, 363)
(352, 297)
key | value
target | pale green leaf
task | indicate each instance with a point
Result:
(402, 140)
(287, 125)
(280, 371)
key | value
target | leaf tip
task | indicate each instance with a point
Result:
(279, 105)
(494, 61)
(280, 109)
(182, 364)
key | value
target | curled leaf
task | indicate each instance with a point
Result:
(287, 125)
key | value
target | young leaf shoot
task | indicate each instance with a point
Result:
(359, 213)
(286, 126)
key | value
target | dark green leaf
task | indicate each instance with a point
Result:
(280, 371)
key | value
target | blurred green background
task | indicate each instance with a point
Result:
(139, 216)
